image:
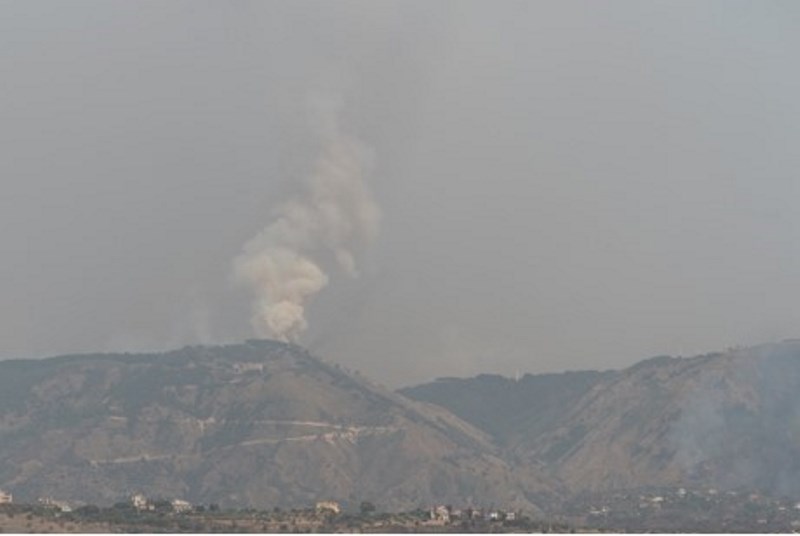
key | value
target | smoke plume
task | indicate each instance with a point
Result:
(329, 221)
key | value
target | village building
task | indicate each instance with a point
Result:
(475, 514)
(328, 506)
(5, 497)
(181, 507)
(440, 514)
(242, 368)
(140, 502)
(61, 506)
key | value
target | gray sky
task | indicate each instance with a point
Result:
(563, 184)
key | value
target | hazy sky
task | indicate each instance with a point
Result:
(563, 184)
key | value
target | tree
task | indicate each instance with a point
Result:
(366, 508)
(89, 510)
(162, 506)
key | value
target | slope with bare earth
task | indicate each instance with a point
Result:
(511, 411)
(259, 424)
(726, 420)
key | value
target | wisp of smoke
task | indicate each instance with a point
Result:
(333, 217)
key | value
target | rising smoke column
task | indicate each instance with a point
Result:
(333, 218)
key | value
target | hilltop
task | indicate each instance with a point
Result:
(728, 420)
(265, 424)
(250, 425)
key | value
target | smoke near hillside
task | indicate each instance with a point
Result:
(327, 222)
(561, 187)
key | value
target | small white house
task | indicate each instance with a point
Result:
(328, 506)
(181, 507)
(140, 502)
(49, 502)
(5, 497)
(440, 514)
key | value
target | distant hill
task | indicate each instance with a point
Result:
(258, 424)
(727, 420)
(511, 411)
(266, 424)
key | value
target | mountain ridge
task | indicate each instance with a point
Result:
(258, 424)
(725, 419)
(265, 424)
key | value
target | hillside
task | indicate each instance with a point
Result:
(727, 420)
(258, 424)
(265, 424)
(511, 411)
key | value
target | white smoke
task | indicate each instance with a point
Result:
(332, 218)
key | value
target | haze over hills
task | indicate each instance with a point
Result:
(259, 424)
(726, 420)
(266, 424)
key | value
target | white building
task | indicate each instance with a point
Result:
(5, 497)
(328, 506)
(440, 514)
(140, 502)
(49, 502)
(181, 507)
